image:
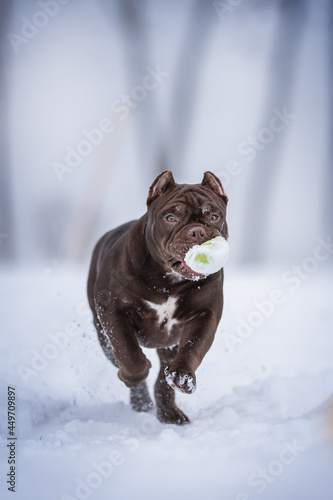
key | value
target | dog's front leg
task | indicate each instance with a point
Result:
(120, 334)
(167, 410)
(197, 337)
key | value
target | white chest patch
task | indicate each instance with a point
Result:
(165, 312)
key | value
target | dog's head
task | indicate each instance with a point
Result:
(181, 216)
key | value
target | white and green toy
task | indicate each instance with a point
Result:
(209, 257)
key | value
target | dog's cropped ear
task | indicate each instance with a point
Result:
(162, 183)
(212, 182)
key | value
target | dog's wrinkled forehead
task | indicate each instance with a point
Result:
(193, 200)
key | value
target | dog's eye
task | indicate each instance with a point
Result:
(171, 218)
(214, 217)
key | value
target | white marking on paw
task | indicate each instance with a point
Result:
(165, 312)
(170, 378)
(185, 379)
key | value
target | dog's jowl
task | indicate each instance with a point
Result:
(143, 294)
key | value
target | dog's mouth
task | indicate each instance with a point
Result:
(180, 267)
(177, 260)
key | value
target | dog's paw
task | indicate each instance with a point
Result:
(172, 415)
(181, 380)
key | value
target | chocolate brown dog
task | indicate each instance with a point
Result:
(142, 293)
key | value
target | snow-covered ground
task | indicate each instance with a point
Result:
(261, 418)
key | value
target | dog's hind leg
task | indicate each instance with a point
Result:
(140, 399)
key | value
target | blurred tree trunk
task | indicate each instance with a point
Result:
(201, 21)
(159, 150)
(283, 67)
(137, 55)
(328, 207)
(6, 202)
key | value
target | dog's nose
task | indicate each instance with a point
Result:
(197, 233)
